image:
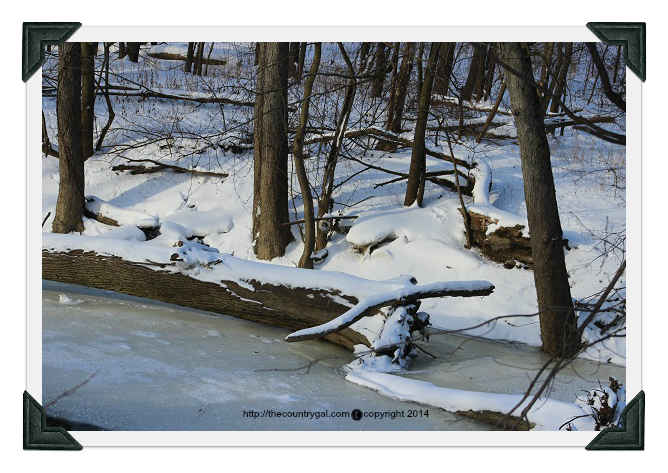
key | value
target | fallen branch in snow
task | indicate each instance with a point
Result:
(159, 167)
(325, 218)
(403, 296)
(386, 136)
(180, 57)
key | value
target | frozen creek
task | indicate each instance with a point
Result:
(163, 367)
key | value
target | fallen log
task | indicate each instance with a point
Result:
(292, 308)
(181, 57)
(159, 167)
(505, 245)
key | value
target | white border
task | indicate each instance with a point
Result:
(348, 438)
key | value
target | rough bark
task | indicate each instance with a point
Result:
(306, 260)
(280, 306)
(557, 319)
(380, 71)
(418, 166)
(88, 51)
(466, 92)
(133, 51)
(189, 57)
(70, 204)
(270, 194)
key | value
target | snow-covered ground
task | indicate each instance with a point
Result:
(427, 242)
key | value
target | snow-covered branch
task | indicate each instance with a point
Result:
(370, 305)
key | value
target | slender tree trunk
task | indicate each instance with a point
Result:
(110, 110)
(380, 70)
(467, 91)
(270, 216)
(418, 168)
(121, 50)
(302, 60)
(398, 99)
(208, 59)
(88, 51)
(325, 200)
(560, 86)
(189, 58)
(199, 59)
(479, 87)
(489, 77)
(70, 204)
(555, 76)
(306, 260)
(557, 318)
(492, 114)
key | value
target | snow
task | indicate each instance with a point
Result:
(547, 414)
(120, 215)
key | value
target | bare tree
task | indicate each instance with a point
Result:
(418, 167)
(557, 320)
(70, 205)
(270, 193)
(88, 51)
(306, 260)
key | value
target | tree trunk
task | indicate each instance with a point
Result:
(479, 87)
(467, 91)
(380, 71)
(189, 58)
(302, 60)
(121, 50)
(306, 260)
(294, 60)
(560, 86)
(418, 167)
(199, 59)
(557, 318)
(133, 52)
(270, 216)
(398, 97)
(88, 52)
(70, 204)
(325, 201)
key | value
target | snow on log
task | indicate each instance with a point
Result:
(271, 294)
(502, 236)
(370, 305)
(110, 214)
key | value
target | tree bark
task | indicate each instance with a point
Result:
(70, 204)
(270, 196)
(467, 91)
(557, 318)
(121, 50)
(88, 51)
(306, 260)
(199, 58)
(380, 71)
(293, 308)
(133, 52)
(418, 166)
(189, 57)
